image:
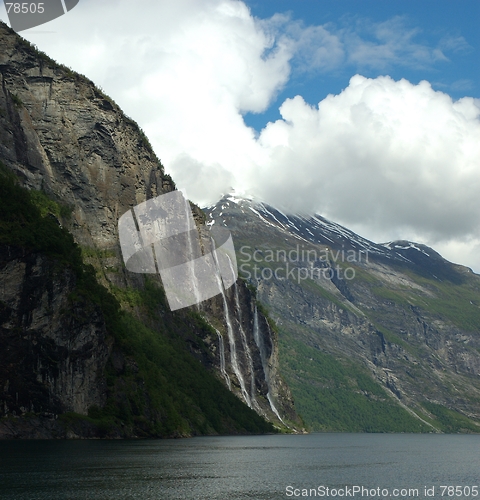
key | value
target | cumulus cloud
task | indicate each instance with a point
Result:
(382, 153)
(389, 158)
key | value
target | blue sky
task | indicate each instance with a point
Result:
(366, 112)
(453, 27)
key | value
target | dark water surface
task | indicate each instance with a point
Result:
(257, 467)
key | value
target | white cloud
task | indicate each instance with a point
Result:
(455, 43)
(390, 159)
(380, 155)
(462, 85)
(385, 44)
(316, 48)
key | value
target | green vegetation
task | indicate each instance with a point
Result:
(397, 296)
(450, 421)
(47, 206)
(311, 285)
(41, 55)
(16, 100)
(262, 309)
(389, 336)
(22, 223)
(184, 396)
(161, 389)
(456, 302)
(334, 395)
(364, 276)
(410, 313)
(95, 253)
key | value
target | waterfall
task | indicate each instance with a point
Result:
(246, 349)
(191, 255)
(230, 333)
(259, 342)
(272, 406)
(263, 356)
(221, 347)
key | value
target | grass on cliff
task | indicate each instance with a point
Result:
(339, 396)
(159, 389)
(451, 421)
(27, 220)
(456, 301)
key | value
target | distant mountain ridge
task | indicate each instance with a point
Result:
(397, 313)
(318, 230)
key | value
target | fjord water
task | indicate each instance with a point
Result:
(220, 468)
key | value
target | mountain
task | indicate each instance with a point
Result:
(373, 337)
(87, 348)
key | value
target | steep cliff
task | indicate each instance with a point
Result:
(50, 360)
(248, 353)
(86, 164)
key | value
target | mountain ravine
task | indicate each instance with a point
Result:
(372, 337)
(89, 349)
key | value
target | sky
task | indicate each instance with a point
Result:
(364, 111)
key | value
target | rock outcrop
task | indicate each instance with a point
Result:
(49, 362)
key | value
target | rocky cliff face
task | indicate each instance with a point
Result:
(399, 312)
(61, 135)
(50, 362)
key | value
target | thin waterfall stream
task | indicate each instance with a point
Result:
(191, 254)
(230, 333)
(246, 349)
(263, 356)
(223, 370)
